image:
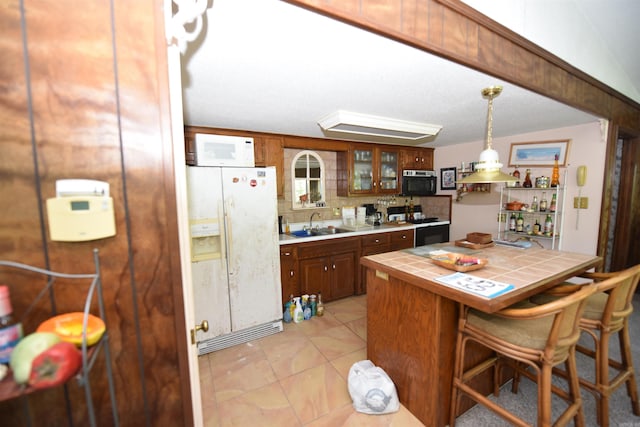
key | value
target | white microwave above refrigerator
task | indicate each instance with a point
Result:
(224, 150)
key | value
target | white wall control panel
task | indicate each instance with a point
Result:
(82, 210)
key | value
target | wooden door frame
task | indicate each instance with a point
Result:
(629, 182)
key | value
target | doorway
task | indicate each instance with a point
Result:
(623, 249)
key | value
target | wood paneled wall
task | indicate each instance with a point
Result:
(84, 95)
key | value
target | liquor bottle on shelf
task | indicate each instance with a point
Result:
(536, 227)
(548, 225)
(552, 207)
(555, 175)
(534, 204)
(543, 202)
(527, 179)
(516, 173)
(512, 222)
(520, 223)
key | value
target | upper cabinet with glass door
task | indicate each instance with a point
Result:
(370, 170)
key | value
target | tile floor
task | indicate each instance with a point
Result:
(294, 378)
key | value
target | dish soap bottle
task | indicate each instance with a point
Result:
(298, 315)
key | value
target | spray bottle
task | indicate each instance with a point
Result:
(298, 315)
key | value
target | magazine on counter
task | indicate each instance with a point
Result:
(475, 285)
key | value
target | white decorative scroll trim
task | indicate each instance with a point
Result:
(604, 130)
(188, 12)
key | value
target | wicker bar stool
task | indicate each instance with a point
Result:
(606, 314)
(536, 336)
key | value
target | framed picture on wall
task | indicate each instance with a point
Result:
(448, 178)
(541, 153)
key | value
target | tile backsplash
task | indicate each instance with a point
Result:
(436, 206)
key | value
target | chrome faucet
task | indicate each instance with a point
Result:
(311, 219)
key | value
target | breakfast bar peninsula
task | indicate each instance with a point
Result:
(412, 318)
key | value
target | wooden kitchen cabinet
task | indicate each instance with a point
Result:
(368, 169)
(403, 239)
(289, 272)
(269, 151)
(371, 244)
(417, 159)
(328, 267)
(378, 243)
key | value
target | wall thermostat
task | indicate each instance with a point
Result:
(82, 210)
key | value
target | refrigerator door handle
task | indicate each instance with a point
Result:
(228, 205)
(223, 235)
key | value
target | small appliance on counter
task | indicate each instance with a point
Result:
(373, 216)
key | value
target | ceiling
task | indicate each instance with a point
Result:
(269, 66)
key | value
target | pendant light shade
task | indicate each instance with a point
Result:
(488, 166)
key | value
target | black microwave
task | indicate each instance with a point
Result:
(419, 183)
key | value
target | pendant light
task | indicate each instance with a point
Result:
(488, 167)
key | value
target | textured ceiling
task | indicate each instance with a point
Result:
(265, 65)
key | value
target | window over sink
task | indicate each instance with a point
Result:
(307, 180)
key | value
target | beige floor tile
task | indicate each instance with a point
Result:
(210, 416)
(344, 363)
(233, 378)
(318, 324)
(266, 406)
(316, 392)
(347, 310)
(290, 355)
(233, 353)
(337, 341)
(359, 327)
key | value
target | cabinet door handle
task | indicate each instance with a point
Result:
(377, 240)
(287, 253)
(291, 273)
(404, 236)
(334, 266)
(417, 159)
(326, 268)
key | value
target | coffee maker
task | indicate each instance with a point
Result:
(373, 217)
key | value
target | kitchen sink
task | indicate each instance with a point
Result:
(325, 231)
(317, 232)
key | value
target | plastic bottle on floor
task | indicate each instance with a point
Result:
(298, 315)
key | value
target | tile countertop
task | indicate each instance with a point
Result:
(530, 270)
(286, 239)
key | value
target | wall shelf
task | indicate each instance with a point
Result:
(530, 215)
(9, 389)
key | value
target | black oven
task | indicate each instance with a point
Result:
(419, 183)
(432, 234)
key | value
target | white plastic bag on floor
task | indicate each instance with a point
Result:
(371, 389)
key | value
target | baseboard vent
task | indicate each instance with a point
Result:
(240, 337)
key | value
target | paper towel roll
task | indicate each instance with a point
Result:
(362, 215)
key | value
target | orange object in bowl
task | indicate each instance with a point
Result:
(514, 206)
(68, 327)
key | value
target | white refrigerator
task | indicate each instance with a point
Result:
(235, 257)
